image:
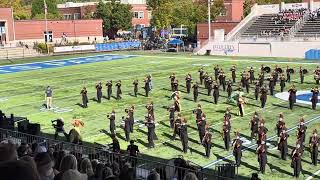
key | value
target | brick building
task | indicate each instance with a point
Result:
(12, 31)
(141, 15)
(228, 19)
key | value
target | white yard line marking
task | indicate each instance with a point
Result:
(254, 145)
(314, 174)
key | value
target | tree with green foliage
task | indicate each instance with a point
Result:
(19, 12)
(115, 16)
(167, 13)
(37, 10)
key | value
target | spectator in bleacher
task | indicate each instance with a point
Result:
(68, 162)
(154, 175)
(86, 168)
(44, 166)
(115, 168)
(99, 172)
(30, 161)
(17, 170)
(108, 173)
(58, 156)
(23, 150)
(8, 152)
(190, 176)
(127, 172)
(73, 174)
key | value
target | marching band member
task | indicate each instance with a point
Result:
(195, 91)
(112, 124)
(135, 87)
(281, 124)
(263, 97)
(254, 125)
(292, 96)
(84, 97)
(109, 89)
(296, 161)
(241, 102)
(233, 73)
(99, 92)
(188, 82)
(206, 141)
(209, 83)
(229, 88)
(222, 80)
(184, 135)
(48, 97)
(301, 134)
(314, 98)
(301, 74)
(201, 73)
(282, 82)
(262, 132)
(262, 156)
(151, 130)
(271, 84)
(251, 72)
(226, 134)
(130, 113)
(171, 116)
(314, 146)
(176, 128)
(146, 86)
(216, 72)
(237, 146)
(215, 92)
(176, 99)
(288, 72)
(119, 92)
(172, 79)
(283, 143)
(256, 90)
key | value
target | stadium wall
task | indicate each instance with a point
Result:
(261, 49)
(80, 30)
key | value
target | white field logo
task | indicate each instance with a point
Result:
(57, 110)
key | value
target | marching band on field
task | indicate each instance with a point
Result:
(262, 88)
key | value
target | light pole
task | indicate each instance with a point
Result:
(209, 20)
(46, 22)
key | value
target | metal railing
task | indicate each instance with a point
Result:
(168, 170)
(298, 25)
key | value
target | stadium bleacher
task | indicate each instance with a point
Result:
(265, 26)
(311, 27)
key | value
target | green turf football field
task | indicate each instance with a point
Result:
(25, 94)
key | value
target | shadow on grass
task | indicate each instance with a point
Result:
(145, 144)
(172, 146)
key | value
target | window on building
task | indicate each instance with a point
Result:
(136, 14)
(67, 17)
(149, 14)
(48, 36)
(141, 15)
(76, 16)
(223, 12)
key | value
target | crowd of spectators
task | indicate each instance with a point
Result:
(275, 32)
(314, 15)
(286, 16)
(36, 162)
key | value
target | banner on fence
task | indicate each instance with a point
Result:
(73, 48)
(118, 46)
